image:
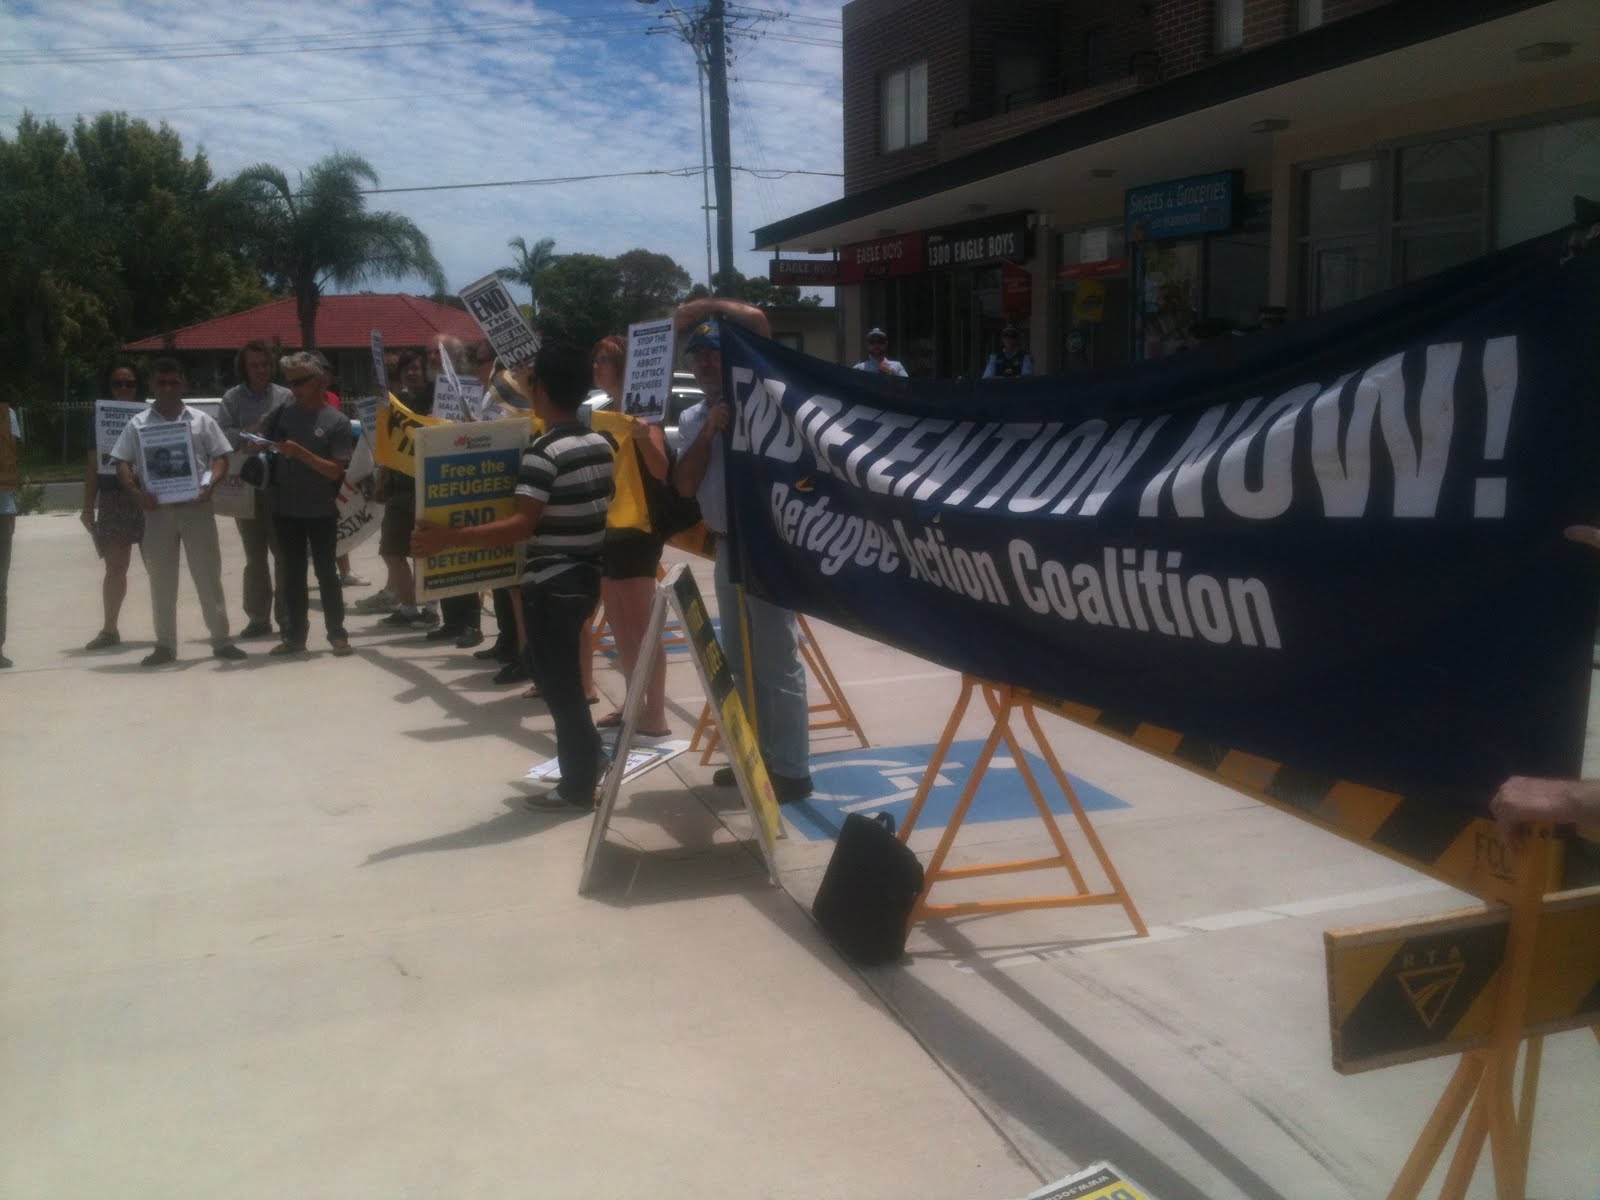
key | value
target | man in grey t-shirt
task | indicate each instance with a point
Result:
(314, 444)
(244, 406)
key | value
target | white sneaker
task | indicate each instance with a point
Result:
(352, 580)
(381, 601)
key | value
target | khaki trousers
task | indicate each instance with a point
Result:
(193, 527)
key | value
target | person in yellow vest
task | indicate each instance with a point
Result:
(632, 547)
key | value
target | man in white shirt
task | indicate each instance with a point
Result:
(877, 358)
(189, 525)
(244, 406)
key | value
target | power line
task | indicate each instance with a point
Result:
(674, 172)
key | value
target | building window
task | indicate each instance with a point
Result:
(1228, 25)
(903, 105)
(1405, 213)
(1307, 14)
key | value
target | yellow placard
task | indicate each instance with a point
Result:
(394, 441)
(1089, 301)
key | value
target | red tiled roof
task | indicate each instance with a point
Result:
(343, 323)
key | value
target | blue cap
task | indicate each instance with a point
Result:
(706, 334)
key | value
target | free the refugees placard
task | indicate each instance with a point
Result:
(647, 379)
(467, 475)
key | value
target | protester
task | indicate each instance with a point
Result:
(632, 548)
(112, 518)
(877, 358)
(1011, 361)
(314, 443)
(399, 493)
(10, 477)
(782, 710)
(1521, 800)
(508, 644)
(460, 617)
(189, 526)
(244, 406)
(563, 492)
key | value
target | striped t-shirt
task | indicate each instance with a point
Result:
(569, 468)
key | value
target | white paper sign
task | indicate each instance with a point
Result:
(501, 320)
(110, 416)
(641, 760)
(447, 404)
(647, 381)
(233, 497)
(166, 462)
(359, 514)
(380, 372)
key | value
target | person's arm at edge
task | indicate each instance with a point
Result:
(690, 469)
(652, 445)
(428, 539)
(691, 312)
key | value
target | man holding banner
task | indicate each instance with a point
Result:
(777, 677)
(563, 492)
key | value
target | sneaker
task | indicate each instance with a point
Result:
(381, 601)
(496, 653)
(228, 652)
(4, 662)
(399, 618)
(554, 801)
(423, 616)
(256, 629)
(284, 649)
(350, 579)
(341, 647)
(513, 672)
(445, 633)
(159, 657)
(789, 788)
(469, 638)
(104, 640)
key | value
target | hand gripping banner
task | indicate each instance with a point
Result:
(1336, 545)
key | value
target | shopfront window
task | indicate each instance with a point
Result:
(1538, 171)
(1095, 298)
(1169, 296)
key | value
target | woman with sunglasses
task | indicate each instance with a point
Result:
(112, 517)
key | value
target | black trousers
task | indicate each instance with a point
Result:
(461, 612)
(555, 613)
(505, 619)
(316, 538)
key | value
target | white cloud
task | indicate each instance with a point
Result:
(435, 92)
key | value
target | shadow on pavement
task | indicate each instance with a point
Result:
(510, 826)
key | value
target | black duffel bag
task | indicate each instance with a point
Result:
(868, 890)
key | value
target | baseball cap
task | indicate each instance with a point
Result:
(707, 334)
(877, 335)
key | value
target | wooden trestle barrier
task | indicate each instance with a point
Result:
(1004, 703)
(834, 708)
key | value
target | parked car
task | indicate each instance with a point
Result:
(685, 394)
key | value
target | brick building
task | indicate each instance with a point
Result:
(1108, 174)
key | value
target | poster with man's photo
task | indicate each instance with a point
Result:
(166, 462)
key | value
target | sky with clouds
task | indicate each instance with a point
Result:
(433, 92)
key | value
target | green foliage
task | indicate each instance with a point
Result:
(584, 297)
(649, 285)
(321, 233)
(107, 235)
(530, 262)
(762, 292)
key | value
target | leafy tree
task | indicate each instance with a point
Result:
(649, 285)
(757, 290)
(528, 265)
(580, 301)
(322, 233)
(106, 235)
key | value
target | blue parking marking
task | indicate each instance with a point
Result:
(886, 778)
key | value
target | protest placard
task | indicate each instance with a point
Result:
(447, 404)
(110, 416)
(166, 462)
(467, 477)
(647, 380)
(380, 370)
(359, 513)
(502, 322)
(233, 497)
(367, 414)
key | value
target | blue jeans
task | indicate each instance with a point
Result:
(783, 716)
(555, 613)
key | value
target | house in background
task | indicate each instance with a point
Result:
(1107, 173)
(344, 336)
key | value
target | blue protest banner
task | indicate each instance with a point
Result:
(1336, 545)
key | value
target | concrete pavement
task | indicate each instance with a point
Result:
(282, 929)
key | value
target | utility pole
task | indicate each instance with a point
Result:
(716, 35)
(707, 35)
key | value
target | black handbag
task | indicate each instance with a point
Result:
(868, 890)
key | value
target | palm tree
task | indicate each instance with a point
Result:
(322, 233)
(528, 265)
